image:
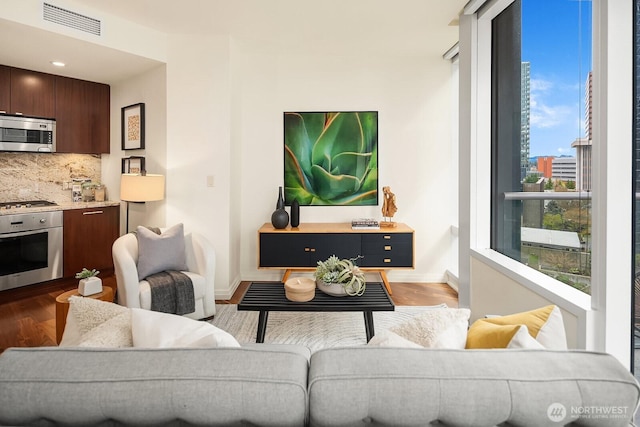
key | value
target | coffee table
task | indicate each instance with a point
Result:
(270, 296)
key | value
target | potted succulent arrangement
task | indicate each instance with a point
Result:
(89, 282)
(340, 277)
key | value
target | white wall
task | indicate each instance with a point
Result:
(223, 101)
(149, 88)
(199, 145)
(413, 98)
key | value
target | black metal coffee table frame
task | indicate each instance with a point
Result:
(269, 296)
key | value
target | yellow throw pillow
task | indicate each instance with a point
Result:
(545, 324)
(483, 334)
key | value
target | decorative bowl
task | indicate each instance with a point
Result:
(333, 289)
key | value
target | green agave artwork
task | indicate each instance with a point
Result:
(331, 158)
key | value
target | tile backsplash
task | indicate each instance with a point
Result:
(41, 176)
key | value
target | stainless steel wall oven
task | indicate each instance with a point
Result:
(30, 248)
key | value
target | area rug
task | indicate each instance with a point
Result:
(315, 330)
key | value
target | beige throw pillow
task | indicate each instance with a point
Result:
(87, 314)
(437, 328)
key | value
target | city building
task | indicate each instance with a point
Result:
(545, 165)
(564, 169)
(583, 163)
(525, 112)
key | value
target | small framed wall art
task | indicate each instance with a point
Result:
(133, 164)
(133, 127)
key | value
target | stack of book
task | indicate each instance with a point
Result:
(365, 223)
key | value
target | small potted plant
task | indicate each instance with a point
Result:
(89, 282)
(340, 277)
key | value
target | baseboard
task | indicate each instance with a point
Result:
(225, 294)
(452, 280)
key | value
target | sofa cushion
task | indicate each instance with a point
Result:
(483, 334)
(133, 386)
(411, 387)
(162, 252)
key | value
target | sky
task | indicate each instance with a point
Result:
(556, 40)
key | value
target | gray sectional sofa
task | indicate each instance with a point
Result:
(280, 385)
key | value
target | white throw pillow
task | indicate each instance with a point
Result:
(84, 315)
(151, 329)
(391, 339)
(160, 252)
(523, 339)
(439, 328)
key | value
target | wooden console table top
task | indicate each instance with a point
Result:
(333, 227)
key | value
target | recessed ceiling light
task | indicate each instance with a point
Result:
(58, 63)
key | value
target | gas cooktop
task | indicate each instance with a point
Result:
(26, 204)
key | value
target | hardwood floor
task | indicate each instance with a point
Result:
(28, 315)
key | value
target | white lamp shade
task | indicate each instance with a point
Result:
(141, 188)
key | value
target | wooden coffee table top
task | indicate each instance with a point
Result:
(270, 296)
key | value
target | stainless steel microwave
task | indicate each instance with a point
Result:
(30, 134)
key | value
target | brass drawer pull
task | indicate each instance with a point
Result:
(387, 237)
(307, 250)
(387, 248)
(92, 213)
(313, 249)
(387, 260)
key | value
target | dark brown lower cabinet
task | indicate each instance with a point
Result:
(88, 237)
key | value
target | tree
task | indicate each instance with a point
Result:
(571, 185)
(553, 208)
(549, 184)
(532, 179)
(553, 222)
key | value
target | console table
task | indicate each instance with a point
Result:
(300, 248)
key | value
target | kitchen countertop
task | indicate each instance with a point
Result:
(59, 207)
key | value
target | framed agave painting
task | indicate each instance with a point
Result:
(331, 158)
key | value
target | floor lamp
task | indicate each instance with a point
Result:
(140, 188)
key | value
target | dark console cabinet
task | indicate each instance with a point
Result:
(305, 250)
(302, 247)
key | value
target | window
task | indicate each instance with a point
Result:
(541, 137)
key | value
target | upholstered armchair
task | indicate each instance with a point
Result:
(136, 293)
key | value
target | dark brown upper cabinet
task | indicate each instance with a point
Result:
(26, 92)
(82, 116)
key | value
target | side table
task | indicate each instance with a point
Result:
(62, 306)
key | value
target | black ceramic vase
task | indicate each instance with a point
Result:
(280, 201)
(295, 213)
(280, 219)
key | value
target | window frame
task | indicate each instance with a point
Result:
(603, 325)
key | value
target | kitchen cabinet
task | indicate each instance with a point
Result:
(5, 88)
(29, 93)
(300, 248)
(82, 116)
(88, 235)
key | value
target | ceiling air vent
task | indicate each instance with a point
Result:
(70, 19)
